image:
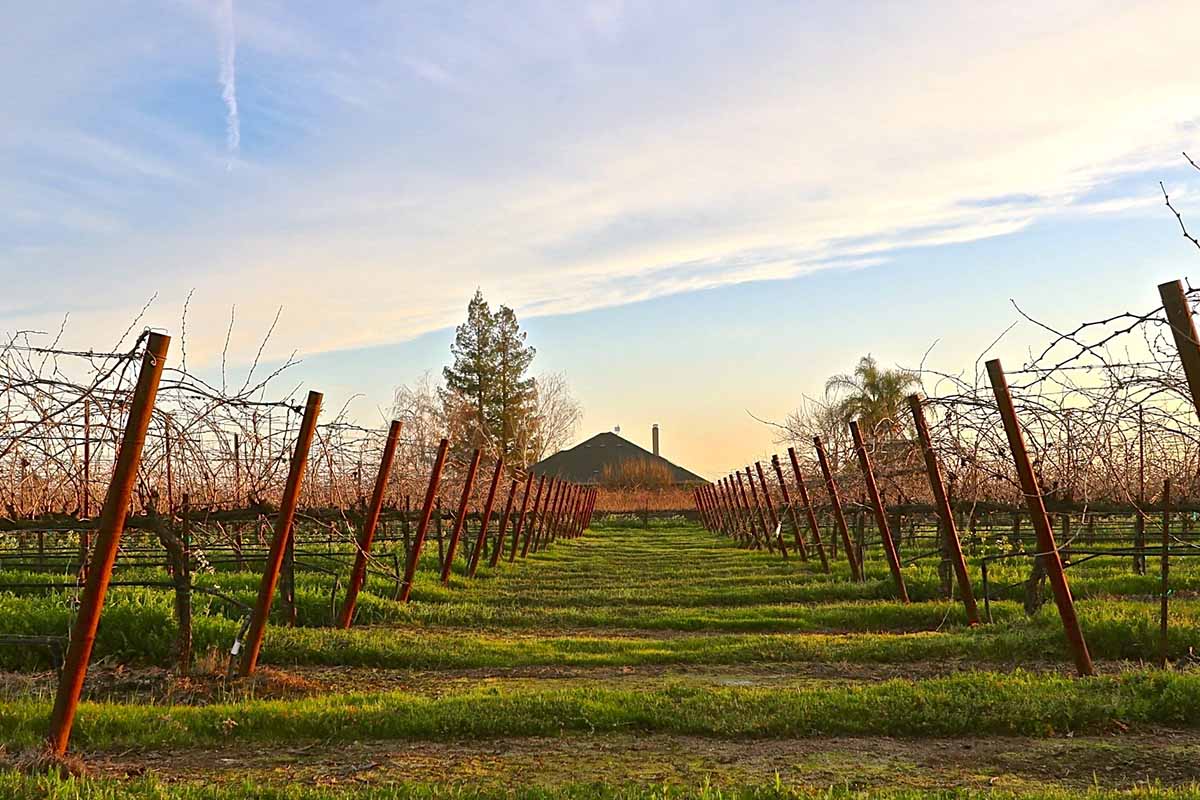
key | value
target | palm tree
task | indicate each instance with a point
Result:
(872, 395)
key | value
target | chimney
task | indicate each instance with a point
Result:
(654, 436)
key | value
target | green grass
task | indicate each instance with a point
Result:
(665, 578)
(22, 787)
(977, 703)
(669, 594)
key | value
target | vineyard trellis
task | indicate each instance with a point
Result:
(1081, 432)
(197, 467)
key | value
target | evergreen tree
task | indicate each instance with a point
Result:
(487, 388)
(516, 394)
(470, 380)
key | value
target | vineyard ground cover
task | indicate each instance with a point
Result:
(594, 604)
(338, 786)
(701, 661)
(805, 768)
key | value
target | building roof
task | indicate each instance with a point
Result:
(585, 462)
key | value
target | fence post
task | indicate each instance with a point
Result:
(1139, 530)
(568, 521)
(520, 523)
(237, 471)
(533, 517)
(749, 515)
(814, 527)
(542, 513)
(791, 508)
(775, 524)
(714, 521)
(367, 535)
(885, 530)
(714, 508)
(730, 525)
(942, 500)
(1166, 568)
(714, 500)
(85, 506)
(734, 524)
(555, 511)
(1041, 522)
(108, 539)
(487, 516)
(577, 524)
(512, 493)
(856, 570)
(282, 537)
(431, 496)
(1179, 315)
(460, 519)
(560, 500)
(745, 531)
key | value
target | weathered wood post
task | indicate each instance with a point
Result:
(776, 525)
(1164, 590)
(487, 516)
(460, 518)
(85, 502)
(281, 538)
(551, 496)
(520, 524)
(370, 522)
(533, 517)
(546, 531)
(735, 521)
(839, 516)
(729, 506)
(414, 554)
(881, 520)
(108, 540)
(1183, 327)
(814, 527)
(942, 501)
(1048, 548)
(791, 508)
(512, 493)
(748, 515)
(1139, 522)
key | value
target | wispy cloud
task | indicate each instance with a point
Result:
(227, 75)
(590, 154)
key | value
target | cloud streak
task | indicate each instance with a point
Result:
(227, 76)
(566, 157)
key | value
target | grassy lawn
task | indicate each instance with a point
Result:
(638, 603)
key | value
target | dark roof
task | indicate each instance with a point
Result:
(585, 462)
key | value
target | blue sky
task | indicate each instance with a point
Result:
(698, 209)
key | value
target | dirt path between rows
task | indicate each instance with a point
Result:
(1168, 757)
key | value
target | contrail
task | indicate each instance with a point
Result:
(227, 44)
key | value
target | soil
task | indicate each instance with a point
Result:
(1167, 757)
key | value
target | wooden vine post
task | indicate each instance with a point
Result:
(108, 539)
(460, 519)
(281, 538)
(881, 520)
(1047, 547)
(414, 554)
(370, 523)
(942, 501)
(839, 516)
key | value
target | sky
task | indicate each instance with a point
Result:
(699, 210)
